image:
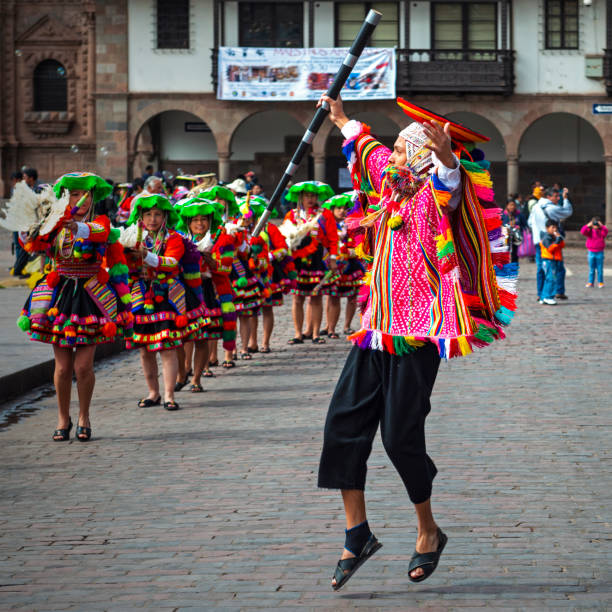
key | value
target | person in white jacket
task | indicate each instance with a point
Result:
(549, 207)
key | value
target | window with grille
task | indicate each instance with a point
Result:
(50, 87)
(173, 24)
(350, 16)
(271, 24)
(464, 27)
(562, 24)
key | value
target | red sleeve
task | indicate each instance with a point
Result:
(99, 229)
(329, 233)
(223, 252)
(277, 240)
(174, 250)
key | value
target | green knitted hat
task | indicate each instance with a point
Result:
(199, 206)
(342, 200)
(152, 200)
(323, 190)
(223, 193)
(85, 181)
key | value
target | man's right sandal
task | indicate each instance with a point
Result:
(347, 567)
(427, 561)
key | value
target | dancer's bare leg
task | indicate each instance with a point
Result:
(62, 378)
(427, 536)
(253, 334)
(316, 310)
(181, 374)
(308, 318)
(268, 325)
(86, 380)
(351, 308)
(151, 373)
(169, 369)
(297, 310)
(355, 513)
(333, 313)
(200, 361)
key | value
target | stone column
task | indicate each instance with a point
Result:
(608, 159)
(319, 167)
(513, 174)
(112, 117)
(223, 173)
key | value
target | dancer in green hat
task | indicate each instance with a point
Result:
(83, 300)
(313, 240)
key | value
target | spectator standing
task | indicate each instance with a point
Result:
(536, 194)
(250, 179)
(551, 247)
(547, 207)
(515, 223)
(18, 251)
(595, 232)
(148, 172)
(154, 185)
(30, 176)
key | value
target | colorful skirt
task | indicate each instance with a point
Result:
(212, 311)
(75, 312)
(351, 275)
(173, 316)
(310, 272)
(248, 290)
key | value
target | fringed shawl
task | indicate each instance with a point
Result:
(467, 262)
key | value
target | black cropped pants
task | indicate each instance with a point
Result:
(377, 387)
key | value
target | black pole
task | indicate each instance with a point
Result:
(369, 23)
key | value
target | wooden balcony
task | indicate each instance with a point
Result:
(608, 70)
(455, 71)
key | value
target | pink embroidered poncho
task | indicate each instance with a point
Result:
(437, 275)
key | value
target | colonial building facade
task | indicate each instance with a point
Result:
(112, 85)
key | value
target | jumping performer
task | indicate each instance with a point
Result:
(439, 285)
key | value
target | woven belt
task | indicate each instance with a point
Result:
(78, 271)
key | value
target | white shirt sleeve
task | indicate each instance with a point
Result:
(351, 129)
(151, 259)
(82, 231)
(450, 178)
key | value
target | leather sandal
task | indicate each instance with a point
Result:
(147, 402)
(347, 567)
(427, 561)
(64, 433)
(83, 431)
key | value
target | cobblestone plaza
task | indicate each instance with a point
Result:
(216, 506)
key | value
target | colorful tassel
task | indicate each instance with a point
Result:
(24, 323)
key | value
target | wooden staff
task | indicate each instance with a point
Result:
(369, 23)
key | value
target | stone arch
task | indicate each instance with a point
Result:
(569, 149)
(162, 140)
(264, 141)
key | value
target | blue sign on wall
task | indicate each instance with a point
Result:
(602, 109)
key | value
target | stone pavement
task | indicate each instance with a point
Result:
(216, 506)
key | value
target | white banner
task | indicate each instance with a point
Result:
(254, 73)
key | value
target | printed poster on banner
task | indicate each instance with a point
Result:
(252, 73)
